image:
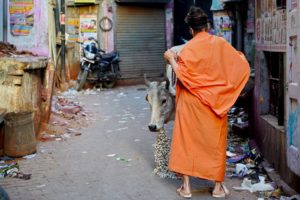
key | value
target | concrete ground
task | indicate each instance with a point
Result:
(84, 167)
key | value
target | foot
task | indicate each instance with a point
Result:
(184, 192)
(220, 191)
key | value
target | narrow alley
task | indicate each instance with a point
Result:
(111, 160)
(219, 66)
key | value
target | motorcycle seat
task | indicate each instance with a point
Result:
(109, 56)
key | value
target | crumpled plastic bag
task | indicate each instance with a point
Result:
(257, 187)
(295, 197)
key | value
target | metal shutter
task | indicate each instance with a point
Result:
(140, 39)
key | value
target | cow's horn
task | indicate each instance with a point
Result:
(147, 82)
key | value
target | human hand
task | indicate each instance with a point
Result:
(170, 55)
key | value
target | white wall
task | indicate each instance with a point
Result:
(37, 40)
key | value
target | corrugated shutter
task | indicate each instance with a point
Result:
(140, 39)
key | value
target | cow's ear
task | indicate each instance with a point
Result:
(146, 97)
(167, 84)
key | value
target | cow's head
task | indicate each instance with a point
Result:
(162, 104)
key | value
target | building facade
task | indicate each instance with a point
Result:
(276, 92)
(140, 30)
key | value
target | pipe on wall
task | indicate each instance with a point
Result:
(239, 28)
(4, 17)
(63, 41)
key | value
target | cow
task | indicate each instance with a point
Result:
(161, 97)
(162, 104)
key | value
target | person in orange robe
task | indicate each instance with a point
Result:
(211, 74)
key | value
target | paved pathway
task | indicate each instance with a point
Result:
(79, 168)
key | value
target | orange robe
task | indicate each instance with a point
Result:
(211, 74)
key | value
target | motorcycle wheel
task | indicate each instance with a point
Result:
(109, 84)
(81, 79)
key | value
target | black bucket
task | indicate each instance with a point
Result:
(19, 135)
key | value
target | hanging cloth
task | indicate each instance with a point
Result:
(217, 5)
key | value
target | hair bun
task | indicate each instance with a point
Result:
(196, 18)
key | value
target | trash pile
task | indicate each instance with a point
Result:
(7, 49)
(238, 120)
(12, 170)
(245, 162)
(67, 119)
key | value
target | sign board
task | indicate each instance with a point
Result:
(271, 31)
(72, 29)
(21, 17)
(88, 27)
(223, 25)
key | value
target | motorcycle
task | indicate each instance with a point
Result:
(96, 66)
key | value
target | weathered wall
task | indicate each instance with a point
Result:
(37, 40)
(271, 138)
(273, 145)
(73, 49)
(292, 86)
(21, 85)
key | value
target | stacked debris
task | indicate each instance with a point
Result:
(68, 117)
(7, 50)
(66, 120)
(245, 162)
(238, 120)
(12, 170)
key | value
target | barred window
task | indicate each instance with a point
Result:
(275, 62)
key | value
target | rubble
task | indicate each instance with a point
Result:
(261, 186)
(295, 197)
(13, 170)
(67, 119)
(245, 162)
(238, 120)
(7, 50)
(242, 161)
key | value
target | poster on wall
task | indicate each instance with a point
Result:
(88, 27)
(223, 25)
(73, 29)
(21, 17)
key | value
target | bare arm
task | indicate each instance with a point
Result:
(171, 57)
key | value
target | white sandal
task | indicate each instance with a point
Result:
(223, 195)
(179, 192)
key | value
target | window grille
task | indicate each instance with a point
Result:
(275, 62)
